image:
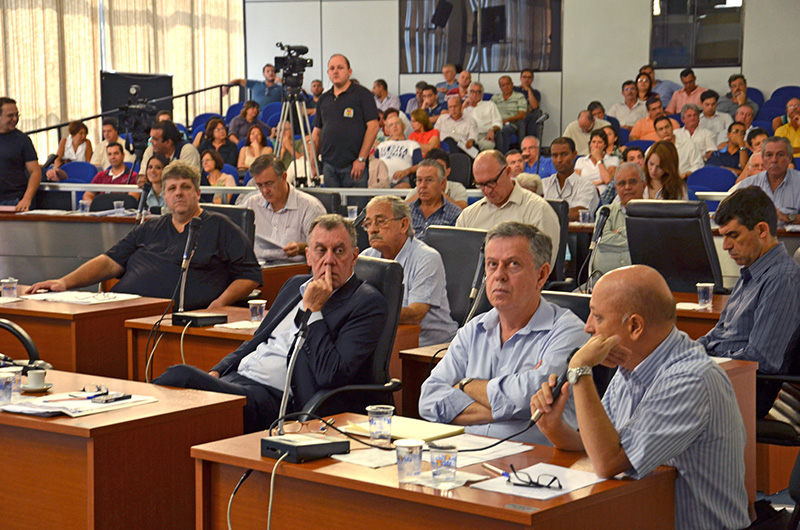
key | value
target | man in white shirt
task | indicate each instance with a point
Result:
(580, 130)
(632, 109)
(485, 115)
(455, 128)
(110, 136)
(383, 99)
(689, 158)
(714, 121)
(567, 185)
(703, 140)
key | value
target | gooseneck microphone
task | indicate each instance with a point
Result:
(541, 119)
(602, 218)
(562, 378)
(143, 202)
(191, 242)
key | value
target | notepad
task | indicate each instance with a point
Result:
(411, 428)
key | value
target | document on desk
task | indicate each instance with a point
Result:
(81, 297)
(9, 299)
(471, 441)
(570, 480)
(268, 243)
(55, 404)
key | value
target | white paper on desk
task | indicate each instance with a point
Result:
(570, 479)
(9, 299)
(239, 324)
(688, 306)
(371, 457)
(792, 228)
(44, 212)
(81, 297)
(269, 243)
(40, 407)
(720, 360)
(471, 441)
(471, 151)
(462, 477)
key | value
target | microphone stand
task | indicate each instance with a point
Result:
(294, 351)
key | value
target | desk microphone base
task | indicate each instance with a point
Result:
(198, 319)
(302, 447)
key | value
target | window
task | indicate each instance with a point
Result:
(480, 35)
(697, 33)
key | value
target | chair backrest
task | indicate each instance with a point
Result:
(270, 109)
(105, 201)
(461, 169)
(199, 122)
(331, 200)
(711, 178)
(387, 277)
(460, 249)
(273, 119)
(561, 208)
(674, 237)
(233, 111)
(756, 95)
(644, 145)
(677, 117)
(770, 110)
(79, 171)
(764, 124)
(783, 94)
(232, 171)
(405, 98)
(244, 218)
(624, 136)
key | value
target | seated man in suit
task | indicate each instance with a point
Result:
(346, 319)
(147, 261)
(761, 317)
(668, 403)
(498, 360)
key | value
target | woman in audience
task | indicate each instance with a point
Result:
(599, 167)
(75, 147)
(254, 146)
(216, 139)
(240, 126)
(613, 142)
(664, 182)
(644, 86)
(155, 166)
(424, 134)
(212, 166)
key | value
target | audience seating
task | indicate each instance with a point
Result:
(624, 136)
(461, 169)
(105, 201)
(233, 111)
(270, 109)
(387, 277)
(770, 110)
(79, 171)
(232, 171)
(405, 98)
(677, 117)
(711, 178)
(783, 94)
(273, 120)
(244, 218)
(199, 122)
(674, 237)
(764, 124)
(756, 95)
(644, 145)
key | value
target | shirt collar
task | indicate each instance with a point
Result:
(762, 264)
(647, 370)
(543, 319)
(405, 250)
(291, 200)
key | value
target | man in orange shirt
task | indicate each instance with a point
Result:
(645, 128)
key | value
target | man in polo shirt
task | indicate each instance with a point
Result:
(667, 404)
(431, 104)
(631, 110)
(567, 185)
(512, 107)
(710, 119)
(645, 128)
(449, 83)
(455, 129)
(345, 128)
(388, 223)
(580, 130)
(431, 207)
(534, 162)
(761, 317)
(20, 173)
(505, 200)
(283, 213)
(791, 129)
(118, 173)
(733, 154)
(690, 93)
(780, 182)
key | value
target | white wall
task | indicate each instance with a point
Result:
(604, 44)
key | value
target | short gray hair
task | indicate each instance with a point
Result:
(332, 221)
(429, 162)
(690, 106)
(400, 208)
(782, 139)
(540, 245)
(263, 162)
(479, 85)
(633, 166)
(531, 182)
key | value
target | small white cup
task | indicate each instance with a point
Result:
(257, 310)
(36, 378)
(705, 295)
(409, 459)
(352, 212)
(83, 206)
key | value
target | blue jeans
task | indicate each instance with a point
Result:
(340, 177)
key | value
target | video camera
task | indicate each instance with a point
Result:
(137, 117)
(292, 65)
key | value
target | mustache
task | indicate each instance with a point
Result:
(373, 237)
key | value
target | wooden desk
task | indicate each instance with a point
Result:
(77, 338)
(127, 468)
(205, 347)
(742, 375)
(347, 496)
(697, 323)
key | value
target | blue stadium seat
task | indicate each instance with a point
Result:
(644, 145)
(711, 178)
(199, 122)
(79, 171)
(405, 98)
(764, 124)
(273, 120)
(270, 109)
(233, 111)
(756, 95)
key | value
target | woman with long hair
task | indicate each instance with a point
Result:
(254, 146)
(661, 173)
(216, 139)
(212, 166)
(155, 197)
(424, 134)
(644, 86)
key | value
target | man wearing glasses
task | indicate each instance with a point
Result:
(734, 154)
(283, 213)
(780, 182)
(668, 403)
(485, 115)
(505, 200)
(345, 323)
(791, 129)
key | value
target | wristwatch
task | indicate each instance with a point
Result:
(362, 159)
(464, 382)
(792, 217)
(573, 374)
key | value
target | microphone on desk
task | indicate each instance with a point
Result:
(191, 242)
(142, 202)
(602, 218)
(543, 118)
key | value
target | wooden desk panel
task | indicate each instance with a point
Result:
(347, 496)
(77, 338)
(128, 468)
(274, 276)
(697, 323)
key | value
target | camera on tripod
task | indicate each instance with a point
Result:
(136, 117)
(292, 65)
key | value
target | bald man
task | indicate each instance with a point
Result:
(668, 403)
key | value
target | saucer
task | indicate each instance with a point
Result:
(45, 388)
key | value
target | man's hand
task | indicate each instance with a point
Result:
(49, 285)
(470, 143)
(782, 216)
(617, 356)
(214, 373)
(358, 170)
(318, 292)
(594, 352)
(294, 248)
(52, 175)
(490, 135)
(23, 205)
(551, 410)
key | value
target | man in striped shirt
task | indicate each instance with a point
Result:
(668, 403)
(761, 320)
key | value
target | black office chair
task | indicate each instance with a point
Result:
(22, 336)
(105, 201)
(460, 250)
(461, 169)
(578, 303)
(331, 200)
(557, 280)
(244, 218)
(387, 277)
(674, 237)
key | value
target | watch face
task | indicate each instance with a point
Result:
(572, 377)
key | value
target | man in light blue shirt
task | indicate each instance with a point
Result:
(668, 403)
(501, 358)
(388, 223)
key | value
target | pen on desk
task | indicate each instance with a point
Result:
(494, 469)
(68, 399)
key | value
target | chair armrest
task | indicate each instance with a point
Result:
(786, 378)
(567, 285)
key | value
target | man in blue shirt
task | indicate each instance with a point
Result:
(431, 207)
(734, 154)
(668, 403)
(780, 182)
(760, 321)
(534, 162)
(263, 92)
(498, 360)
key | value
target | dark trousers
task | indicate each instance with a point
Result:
(263, 402)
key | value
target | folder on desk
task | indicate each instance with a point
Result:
(411, 428)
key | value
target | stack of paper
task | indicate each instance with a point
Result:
(53, 405)
(410, 428)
